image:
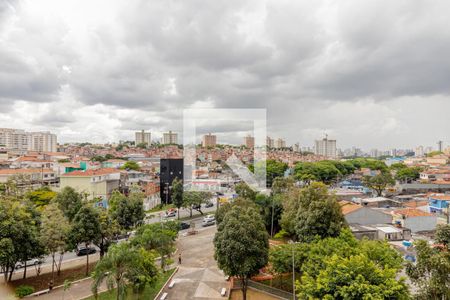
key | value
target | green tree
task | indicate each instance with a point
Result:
(408, 174)
(315, 213)
(324, 171)
(379, 182)
(69, 201)
(177, 194)
(131, 165)
(241, 245)
(41, 197)
(244, 191)
(54, 232)
(240, 202)
(129, 211)
(108, 229)
(442, 235)
(124, 265)
(355, 277)
(142, 145)
(195, 199)
(158, 237)
(86, 229)
(431, 272)
(19, 227)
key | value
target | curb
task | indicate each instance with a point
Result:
(165, 284)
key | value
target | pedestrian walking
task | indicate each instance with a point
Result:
(179, 259)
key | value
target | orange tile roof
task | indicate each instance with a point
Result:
(411, 212)
(92, 172)
(413, 204)
(347, 208)
(441, 197)
(23, 171)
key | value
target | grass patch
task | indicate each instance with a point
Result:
(150, 292)
(160, 208)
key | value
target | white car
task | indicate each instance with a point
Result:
(32, 262)
(170, 214)
(209, 220)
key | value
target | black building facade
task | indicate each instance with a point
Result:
(169, 170)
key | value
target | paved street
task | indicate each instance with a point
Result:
(198, 276)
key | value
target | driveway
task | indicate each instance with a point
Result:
(198, 276)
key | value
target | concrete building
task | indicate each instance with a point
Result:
(209, 140)
(280, 143)
(249, 141)
(415, 219)
(142, 137)
(20, 140)
(98, 183)
(13, 139)
(269, 142)
(326, 147)
(42, 142)
(364, 215)
(170, 138)
(419, 151)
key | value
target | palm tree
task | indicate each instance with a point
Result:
(124, 265)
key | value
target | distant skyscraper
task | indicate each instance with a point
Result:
(419, 151)
(209, 140)
(326, 147)
(19, 140)
(42, 142)
(296, 147)
(142, 137)
(440, 146)
(269, 142)
(249, 141)
(170, 138)
(280, 143)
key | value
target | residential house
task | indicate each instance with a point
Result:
(363, 215)
(414, 219)
(438, 202)
(93, 183)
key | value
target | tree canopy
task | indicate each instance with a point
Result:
(241, 244)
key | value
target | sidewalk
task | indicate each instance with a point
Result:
(78, 290)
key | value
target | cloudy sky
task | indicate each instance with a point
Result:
(368, 73)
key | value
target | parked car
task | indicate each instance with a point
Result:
(32, 262)
(85, 251)
(184, 225)
(209, 204)
(170, 214)
(209, 220)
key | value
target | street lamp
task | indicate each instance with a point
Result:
(292, 243)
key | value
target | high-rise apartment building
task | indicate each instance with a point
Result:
(296, 147)
(249, 141)
(13, 139)
(326, 147)
(20, 140)
(269, 142)
(42, 142)
(419, 151)
(142, 137)
(170, 138)
(280, 143)
(209, 140)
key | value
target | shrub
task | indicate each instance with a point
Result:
(24, 290)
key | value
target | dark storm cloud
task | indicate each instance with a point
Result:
(295, 58)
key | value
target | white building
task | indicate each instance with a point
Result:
(269, 142)
(326, 147)
(170, 138)
(142, 137)
(20, 140)
(42, 142)
(280, 143)
(13, 139)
